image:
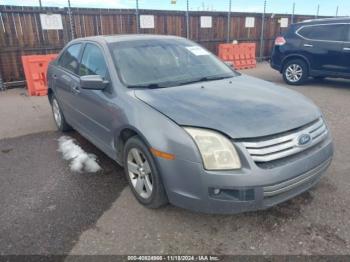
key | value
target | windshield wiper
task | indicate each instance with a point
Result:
(204, 79)
(178, 83)
(152, 85)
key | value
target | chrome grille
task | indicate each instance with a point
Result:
(286, 145)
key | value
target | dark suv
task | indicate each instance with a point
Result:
(315, 48)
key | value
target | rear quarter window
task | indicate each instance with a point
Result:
(335, 32)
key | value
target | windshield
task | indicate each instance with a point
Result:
(156, 63)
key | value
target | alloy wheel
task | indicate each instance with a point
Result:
(56, 113)
(140, 173)
(294, 73)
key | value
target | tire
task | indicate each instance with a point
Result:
(295, 72)
(58, 116)
(146, 176)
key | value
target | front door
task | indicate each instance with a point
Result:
(95, 106)
(346, 54)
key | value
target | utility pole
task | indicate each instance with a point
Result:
(40, 4)
(318, 10)
(293, 13)
(262, 32)
(229, 21)
(137, 17)
(187, 20)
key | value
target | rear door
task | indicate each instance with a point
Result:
(323, 46)
(67, 81)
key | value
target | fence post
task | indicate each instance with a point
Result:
(262, 33)
(229, 21)
(1, 83)
(187, 20)
(137, 17)
(70, 20)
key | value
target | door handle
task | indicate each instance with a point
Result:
(346, 48)
(308, 45)
(75, 89)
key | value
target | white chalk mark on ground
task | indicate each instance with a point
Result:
(80, 161)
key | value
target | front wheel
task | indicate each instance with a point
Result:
(295, 72)
(142, 174)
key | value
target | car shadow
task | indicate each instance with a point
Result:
(338, 83)
(45, 207)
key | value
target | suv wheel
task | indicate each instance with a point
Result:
(142, 174)
(60, 121)
(295, 72)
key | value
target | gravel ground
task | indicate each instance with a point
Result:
(47, 209)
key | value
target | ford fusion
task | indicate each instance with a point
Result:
(187, 128)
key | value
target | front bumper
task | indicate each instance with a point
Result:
(253, 187)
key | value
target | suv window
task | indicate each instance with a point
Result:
(93, 62)
(336, 32)
(69, 59)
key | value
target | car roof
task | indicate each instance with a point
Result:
(125, 37)
(333, 20)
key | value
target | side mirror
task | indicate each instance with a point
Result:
(93, 82)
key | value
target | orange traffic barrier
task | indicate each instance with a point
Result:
(35, 68)
(242, 56)
(225, 52)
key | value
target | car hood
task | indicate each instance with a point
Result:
(240, 107)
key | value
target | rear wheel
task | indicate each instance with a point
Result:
(142, 174)
(295, 72)
(58, 116)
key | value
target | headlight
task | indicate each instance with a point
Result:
(218, 153)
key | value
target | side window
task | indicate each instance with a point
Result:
(337, 32)
(93, 62)
(69, 59)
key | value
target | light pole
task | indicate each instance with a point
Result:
(318, 10)
(229, 21)
(262, 32)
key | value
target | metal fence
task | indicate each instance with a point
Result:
(21, 32)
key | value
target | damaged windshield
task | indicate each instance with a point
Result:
(158, 63)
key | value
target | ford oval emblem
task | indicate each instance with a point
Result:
(304, 139)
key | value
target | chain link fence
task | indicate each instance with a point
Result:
(22, 31)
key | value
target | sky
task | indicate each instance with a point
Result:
(327, 7)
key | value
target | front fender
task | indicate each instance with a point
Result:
(160, 132)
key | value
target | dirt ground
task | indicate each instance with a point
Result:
(46, 209)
